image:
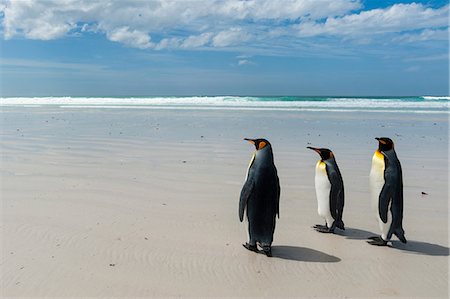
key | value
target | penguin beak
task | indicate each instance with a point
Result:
(250, 140)
(314, 149)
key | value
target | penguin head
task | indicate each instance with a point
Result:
(324, 153)
(259, 143)
(385, 144)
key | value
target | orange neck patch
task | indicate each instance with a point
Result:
(379, 155)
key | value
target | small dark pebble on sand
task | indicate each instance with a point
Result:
(112, 265)
(424, 193)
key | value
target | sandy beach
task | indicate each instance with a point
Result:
(144, 203)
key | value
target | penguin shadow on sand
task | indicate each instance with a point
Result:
(415, 247)
(423, 248)
(354, 233)
(302, 254)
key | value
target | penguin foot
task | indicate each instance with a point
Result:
(377, 241)
(250, 247)
(323, 229)
(320, 226)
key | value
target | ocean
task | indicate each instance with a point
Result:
(416, 104)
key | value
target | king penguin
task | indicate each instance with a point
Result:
(329, 191)
(260, 196)
(386, 186)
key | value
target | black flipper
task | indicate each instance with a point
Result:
(384, 200)
(245, 195)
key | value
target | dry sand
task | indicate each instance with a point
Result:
(144, 203)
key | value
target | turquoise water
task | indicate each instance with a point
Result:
(418, 104)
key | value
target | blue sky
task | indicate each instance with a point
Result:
(261, 47)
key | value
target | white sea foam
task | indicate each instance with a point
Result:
(251, 108)
(436, 98)
(418, 104)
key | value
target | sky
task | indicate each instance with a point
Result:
(210, 47)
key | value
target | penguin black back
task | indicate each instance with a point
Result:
(260, 197)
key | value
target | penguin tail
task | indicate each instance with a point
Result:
(340, 224)
(400, 233)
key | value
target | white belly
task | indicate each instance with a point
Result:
(376, 181)
(323, 188)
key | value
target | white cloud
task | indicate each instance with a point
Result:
(46, 31)
(230, 37)
(244, 59)
(195, 41)
(168, 43)
(133, 38)
(286, 9)
(244, 62)
(163, 24)
(394, 19)
(31, 20)
(425, 35)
